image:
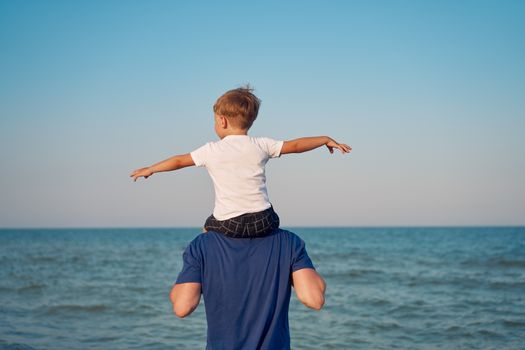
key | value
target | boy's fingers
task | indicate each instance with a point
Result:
(345, 148)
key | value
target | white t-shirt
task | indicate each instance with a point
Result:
(236, 166)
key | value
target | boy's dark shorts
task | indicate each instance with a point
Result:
(248, 225)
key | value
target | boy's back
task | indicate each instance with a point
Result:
(236, 165)
(246, 287)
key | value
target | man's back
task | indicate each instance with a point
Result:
(246, 285)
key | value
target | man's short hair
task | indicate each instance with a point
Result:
(240, 106)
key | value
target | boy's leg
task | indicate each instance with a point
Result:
(260, 224)
(212, 224)
(249, 225)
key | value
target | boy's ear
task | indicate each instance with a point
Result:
(223, 121)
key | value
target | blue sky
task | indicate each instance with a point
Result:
(428, 93)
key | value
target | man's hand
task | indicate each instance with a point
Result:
(340, 146)
(142, 172)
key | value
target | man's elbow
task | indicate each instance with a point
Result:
(183, 308)
(315, 303)
(184, 299)
(313, 300)
(182, 311)
(318, 305)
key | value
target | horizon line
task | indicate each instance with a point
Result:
(284, 227)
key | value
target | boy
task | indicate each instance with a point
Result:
(236, 165)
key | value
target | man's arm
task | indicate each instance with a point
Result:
(185, 298)
(305, 144)
(173, 163)
(309, 287)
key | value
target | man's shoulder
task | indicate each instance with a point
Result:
(288, 235)
(212, 237)
(285, 234)
(203, 238)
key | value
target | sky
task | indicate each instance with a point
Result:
(429, 94)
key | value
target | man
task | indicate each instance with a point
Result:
(246, 285)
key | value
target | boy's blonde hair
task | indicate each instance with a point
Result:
(240, 106)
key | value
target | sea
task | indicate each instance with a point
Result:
(387, 288)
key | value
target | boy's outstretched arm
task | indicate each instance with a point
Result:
(305, 144)
(173, 163)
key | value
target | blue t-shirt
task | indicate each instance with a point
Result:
(246, 286)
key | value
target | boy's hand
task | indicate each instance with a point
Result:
(143, 172)
(340, 146)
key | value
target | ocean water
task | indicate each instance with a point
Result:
(388, 288)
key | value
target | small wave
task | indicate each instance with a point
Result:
(137, 289)
(459, 331)
(33, 287)
(143, 310)
(30, 288)
(378, 302)
(514, 323)
(495, 263)
(489, 333)
(511, 263)
(505, 285)
(464, 281)
(100, 340)
(61, 309)
(43, 259)
(5, 289)
(408, 311)
(353, 273)
(386, 326)
(14, 346)
(454, 329)
(337, 256)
